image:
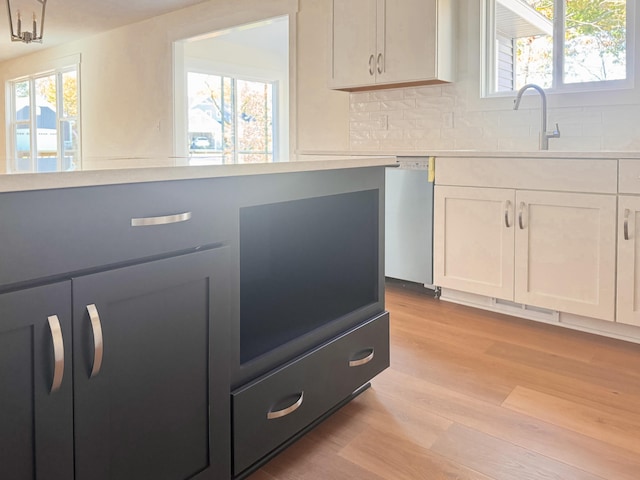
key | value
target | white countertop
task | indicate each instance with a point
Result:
(535, 154)
(492, 154)
(45, 181)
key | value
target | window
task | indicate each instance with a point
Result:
(45, 122)
(559, 44)
(230, 120)
(231, 94)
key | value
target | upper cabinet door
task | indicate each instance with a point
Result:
(407, 32)
(353, 40)
(36, 418)
(375, 43)
(151, 370)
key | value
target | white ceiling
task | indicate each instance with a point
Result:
(68, 20)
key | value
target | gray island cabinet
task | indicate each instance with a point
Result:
(185, 329)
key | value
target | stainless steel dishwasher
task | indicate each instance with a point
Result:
(409, 221)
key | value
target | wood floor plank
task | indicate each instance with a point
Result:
(621, 431)
(408, 327)
(262, 475)
(394, 416)
(624, 358)
(395, 459)
(604, 376)
(308, 460)
(336, 433)
(502, 460)
(591, 385)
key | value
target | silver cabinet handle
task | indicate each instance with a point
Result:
(371, 70)
(626, 223)
(362, 361)
(520, 210)
(379, 63)
(507, 207)
(147, 221)
(98, 347)
(286, 411)
(58, 352)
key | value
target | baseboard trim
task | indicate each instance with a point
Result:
(628, 333)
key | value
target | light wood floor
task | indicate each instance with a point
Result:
(482, 396)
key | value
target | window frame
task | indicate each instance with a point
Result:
(12, 123)
(226, 73)
(285, 74)
(489, 57)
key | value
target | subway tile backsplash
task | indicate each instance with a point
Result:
(438, 118)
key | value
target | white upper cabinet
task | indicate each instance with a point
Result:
(354, 42)
(376, 43)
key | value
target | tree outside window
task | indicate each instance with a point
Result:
(230, 120)
(556, 43)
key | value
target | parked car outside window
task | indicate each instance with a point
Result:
(200, 142)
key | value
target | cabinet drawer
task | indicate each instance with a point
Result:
(629, 176)
(275, 407)
(53, 232)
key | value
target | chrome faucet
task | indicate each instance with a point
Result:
(544, 135)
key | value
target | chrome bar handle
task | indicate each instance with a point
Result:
(58, 353)
(163, 220)
(626, 223)
(371, 69)
(520, 210)
(507, 207)
(286, 411)
(98, 347)
(379, 63)
(362, 361)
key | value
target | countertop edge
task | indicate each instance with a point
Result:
(489, 154)
(48, 181)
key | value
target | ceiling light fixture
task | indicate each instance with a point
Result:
(27, 36)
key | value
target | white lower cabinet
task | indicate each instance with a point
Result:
(553, 250)
(473, 240)
(565, 252)
(628, 299)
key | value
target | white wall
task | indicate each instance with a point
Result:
(454, 117)
(322, 114)
(127, 80)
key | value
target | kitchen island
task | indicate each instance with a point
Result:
(184, 323)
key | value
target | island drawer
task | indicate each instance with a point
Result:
(54, 232)
(270, 410)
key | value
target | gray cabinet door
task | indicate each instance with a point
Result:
(36, 439)
(158, 405)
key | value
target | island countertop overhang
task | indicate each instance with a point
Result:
(47, 181)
